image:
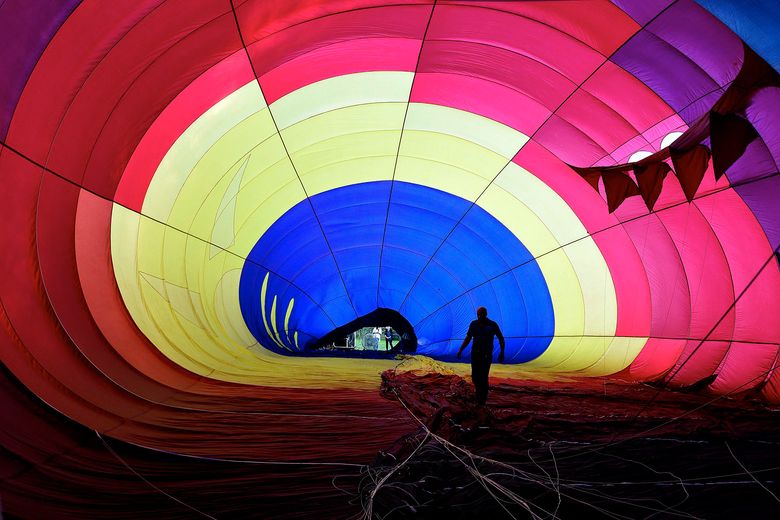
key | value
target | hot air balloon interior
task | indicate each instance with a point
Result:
(243, 242)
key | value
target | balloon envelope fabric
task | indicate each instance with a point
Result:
(195, 195)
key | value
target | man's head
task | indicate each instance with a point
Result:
(482, 313)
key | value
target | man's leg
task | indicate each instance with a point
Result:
(479, 374)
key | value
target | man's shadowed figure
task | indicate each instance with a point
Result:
(482, 330)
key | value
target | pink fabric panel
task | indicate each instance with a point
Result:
(525, 36)
(597, 120)
(526, 75)
(69, 58)
(706, 270)
(771, 390)
(634, 304)
(745, 367)
(671, 303)
(698, 360)
(341, 58)
(569, 143)
(494, 101)
(655, 359)
(384, 22)
(626, 95)
(622, 153)
(589, 207)
(212, 86)
(626, 269)
(597, 23)
(745, 245)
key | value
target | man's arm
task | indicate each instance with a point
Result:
(464, 344)
(501, 344)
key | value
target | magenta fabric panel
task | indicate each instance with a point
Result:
(347, 57)
(762, 196)
(699, 359)
(527, 37)
(496, 101)
(706, 270)
(743, 243)
(666, 277)
(597, 119)
(657, 357)
(521, 73)
(745, 367)
(597, 23)
(638, 105)
(569, 143)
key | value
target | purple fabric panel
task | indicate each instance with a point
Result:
(644, 11)
(755, 162)
(764, 114)
(26, 27)
(761, 197)
(702, 38)
(670, 74)
(701, 106)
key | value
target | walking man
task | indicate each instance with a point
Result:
(482, 330)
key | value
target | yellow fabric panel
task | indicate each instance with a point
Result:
(339, 92)
(190, 147)
(124, 245)
(487, 133)
(346, 146)
(620, 353)
(223, 157)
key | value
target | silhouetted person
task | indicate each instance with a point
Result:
(388, 338)
(482, 330)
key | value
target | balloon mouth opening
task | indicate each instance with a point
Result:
(404, 341)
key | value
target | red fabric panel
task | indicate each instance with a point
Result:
(150, 93)
(597, 23)
(200, 95)
(337, 59)
(522, 35)
(83, 40)
(656, 358)
(275, 49)
(93, 257)
(504, 67)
